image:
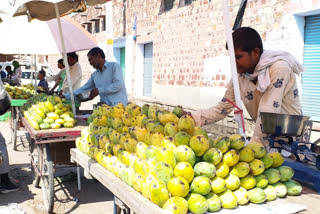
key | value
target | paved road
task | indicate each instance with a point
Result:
(93, 197)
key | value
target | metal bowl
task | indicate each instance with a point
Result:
(282, 124)
(83, 97)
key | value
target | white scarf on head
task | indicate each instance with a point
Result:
(268, 58)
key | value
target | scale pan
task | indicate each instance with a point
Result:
(282, 124)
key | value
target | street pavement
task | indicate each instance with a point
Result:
(93, 196)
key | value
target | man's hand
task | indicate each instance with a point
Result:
(187, 113)
(58, 80)
(61, 94)
(93, 93)
(195, 118)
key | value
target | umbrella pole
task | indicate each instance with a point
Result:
(238, 117)
(32, 70)
(35, 71)
(65, 59)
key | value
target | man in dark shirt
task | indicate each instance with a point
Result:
(43, 83)
(3, 73)
(9, 71)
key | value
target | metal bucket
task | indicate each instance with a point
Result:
(282, 124)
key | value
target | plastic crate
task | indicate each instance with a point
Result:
(76, 103)
(16, 102)
(5, 116)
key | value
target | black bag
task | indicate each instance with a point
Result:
(4, 105)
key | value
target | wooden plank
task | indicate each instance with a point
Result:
(16, 102)
(53, 133)
(133, 199)
(56, 140)
(28, 127)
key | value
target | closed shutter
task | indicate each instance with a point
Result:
(147, 70)
(311, 75)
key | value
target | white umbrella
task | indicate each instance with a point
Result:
(18, 36)
(46, 10)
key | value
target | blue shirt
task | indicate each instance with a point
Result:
(3, 74)
(43, 83)
(110, 84)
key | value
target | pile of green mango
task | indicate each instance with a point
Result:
(48, 112)
(173, 163)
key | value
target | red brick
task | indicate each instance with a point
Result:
(221, 84)
(179, 82)
(171, 82)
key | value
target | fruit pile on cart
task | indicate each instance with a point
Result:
(18, 96)
(51, 132)
(160, 156)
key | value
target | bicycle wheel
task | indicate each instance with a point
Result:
(34, 159)
(47, 178)
(14, 127)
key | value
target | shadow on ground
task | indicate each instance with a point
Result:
(22, 174)
(67, 192)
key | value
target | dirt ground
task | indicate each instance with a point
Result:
(93, 198)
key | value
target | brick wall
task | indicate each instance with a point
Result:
(185, 36)
(4, 58)
(182, 37)
(189, 40)
(190, 63)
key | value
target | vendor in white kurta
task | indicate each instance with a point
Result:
(75, 73)
(267, 81)
(59, 77)
(17, 73)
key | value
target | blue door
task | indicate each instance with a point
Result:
(311, 76)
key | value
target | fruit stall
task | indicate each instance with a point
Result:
(51, 132)
(159, 158)
(18, 96)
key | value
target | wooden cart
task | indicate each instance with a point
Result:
(15, 118)
(48, 149)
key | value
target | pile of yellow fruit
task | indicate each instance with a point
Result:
(162, 155)
(48, 112)
(20, 92)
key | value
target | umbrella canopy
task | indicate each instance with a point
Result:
(46, 10)
(43, 9)
(18, 36)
